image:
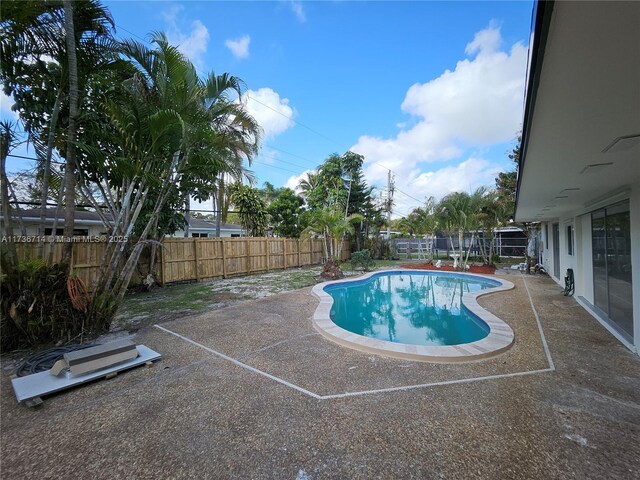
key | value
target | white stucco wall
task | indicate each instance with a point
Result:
(582, 260)
(32, 228)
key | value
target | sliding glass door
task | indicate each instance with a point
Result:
(611, 240)
(555, 230)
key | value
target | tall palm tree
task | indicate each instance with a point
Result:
(7, 143)
(176, 132)
(76, 37)
(70, 177)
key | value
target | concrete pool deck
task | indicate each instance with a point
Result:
(253, 391)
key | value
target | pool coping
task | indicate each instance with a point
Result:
(499, 339)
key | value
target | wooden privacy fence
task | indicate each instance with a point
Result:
(198, 259)
(186, 259)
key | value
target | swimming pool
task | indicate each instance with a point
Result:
(411, 314)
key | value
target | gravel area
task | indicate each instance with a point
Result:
(261, 395)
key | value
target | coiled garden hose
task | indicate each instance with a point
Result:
(43, 361)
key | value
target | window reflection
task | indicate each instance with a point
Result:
(611, 237)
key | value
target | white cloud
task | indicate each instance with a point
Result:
(193, 43)
(476, 105)
(463, 177)
(240, 47)
(466, 176)
(487, 40)
(273, 113)
(298, 10)
(6, 103)
(294, 181)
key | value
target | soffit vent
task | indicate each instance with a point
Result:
(622, 144)
(595, 168)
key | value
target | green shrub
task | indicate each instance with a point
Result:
(379, 248)
(362, 260)
(36, 308)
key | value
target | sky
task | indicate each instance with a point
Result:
(433, 91)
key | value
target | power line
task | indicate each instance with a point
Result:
(275, 148)
(255, 100)
(275, 166)
(283, 161)
(34, 158)
(291, 118)
(407, 195)
(292, 154)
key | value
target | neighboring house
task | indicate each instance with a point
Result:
(89, 224)
(86, 223)
(199, 227)
(580, 166)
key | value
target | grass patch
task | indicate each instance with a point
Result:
(175, 301)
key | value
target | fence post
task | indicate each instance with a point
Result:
(284, 254)
(266, 241)
(246, 255)
(162, 262)
(224, 258)
(195, 254)
(299, 264)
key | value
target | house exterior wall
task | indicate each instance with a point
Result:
(32, 228)
(582, 259)
(224, 233)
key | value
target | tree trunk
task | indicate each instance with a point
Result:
(466, 260)
(54, 227)
(220, 199)
(46, 172)
(325, 244)
(18, 210)
(7, 227)
(187, 215)
(70, 181)
(491, 246)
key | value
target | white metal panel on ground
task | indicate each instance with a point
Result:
(43, 383)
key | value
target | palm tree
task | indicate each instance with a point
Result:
(172, 132)
(491, 214)
(331, 225)
(77, 37)
(458, 212)
(343, 227)
(320, 225)
(308, 184)
(7, 143)
(70, 177)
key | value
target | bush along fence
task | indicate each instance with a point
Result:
(189, 259)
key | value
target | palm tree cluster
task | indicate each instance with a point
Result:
(138, 132)
(457, 214)
(341, 204)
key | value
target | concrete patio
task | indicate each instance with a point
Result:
(253, 391)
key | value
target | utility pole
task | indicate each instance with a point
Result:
(346, 209)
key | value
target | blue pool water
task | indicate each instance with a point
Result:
(421, 308)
